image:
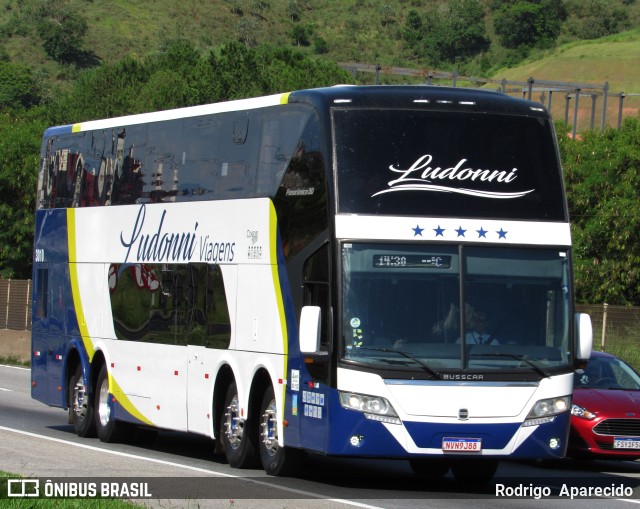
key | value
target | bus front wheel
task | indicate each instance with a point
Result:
(81, 413)
(276, 459)
(238, 439)
(108, 429)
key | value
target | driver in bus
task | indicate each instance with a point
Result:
(478, 331)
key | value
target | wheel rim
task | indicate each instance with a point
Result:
(269, 429)
(79, 400)
(104, 410)
(233, 424)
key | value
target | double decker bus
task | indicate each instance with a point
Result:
(376, 271)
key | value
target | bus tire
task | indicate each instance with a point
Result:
(276, 460)
(237, 436)
(108, 429)
(81, 411)
(474, 471)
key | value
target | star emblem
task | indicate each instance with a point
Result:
(502, 234)
(439, 231)
(417, 231)
(482, 233)
(461, 232)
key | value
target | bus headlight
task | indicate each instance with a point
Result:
(375, 408)
(546, 409)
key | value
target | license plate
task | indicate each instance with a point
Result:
(626, 443)
(461, 444)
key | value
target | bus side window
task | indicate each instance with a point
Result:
(42, 292)
(316, 289)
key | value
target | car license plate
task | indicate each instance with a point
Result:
(626, 443)
(454, 444)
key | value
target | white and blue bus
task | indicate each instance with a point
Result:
(350, 271)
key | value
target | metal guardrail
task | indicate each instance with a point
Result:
(610, 323)
(15, 304)
(547, 89)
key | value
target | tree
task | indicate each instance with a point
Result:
(528, 22)
(19, 87)
(62, 32)
(591, 19)
(602, 174)
(457, 32)
(19, 149)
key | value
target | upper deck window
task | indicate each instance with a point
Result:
(434, 163)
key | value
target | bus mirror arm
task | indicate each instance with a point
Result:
(310, 329)
(584, 335)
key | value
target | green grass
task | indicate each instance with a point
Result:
(49, 503)
(12, 360)
(624, 346)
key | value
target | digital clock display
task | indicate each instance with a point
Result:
(411, 261)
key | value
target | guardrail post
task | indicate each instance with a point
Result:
(622, 96)
(604, 328)
(605, 96)
(575, 115)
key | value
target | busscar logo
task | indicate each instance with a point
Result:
(462, 376)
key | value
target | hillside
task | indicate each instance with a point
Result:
(615, 59)
(365, 31)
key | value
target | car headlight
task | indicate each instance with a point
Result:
(580, 411)
(545, 410)
(375, 408)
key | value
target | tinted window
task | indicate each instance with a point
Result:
(407, 162)
(171, 304)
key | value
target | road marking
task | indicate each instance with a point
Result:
(306, 494)
(5, 390)
(14, 367)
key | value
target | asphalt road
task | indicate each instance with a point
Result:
(37, 442)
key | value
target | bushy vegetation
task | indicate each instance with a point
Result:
(177, 75)
(602, 175)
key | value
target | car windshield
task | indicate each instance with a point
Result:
(404, 308)
(607, 373)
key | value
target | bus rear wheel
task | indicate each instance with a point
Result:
(236, 433)
(276, 460)
(81, 412)
(108, 429)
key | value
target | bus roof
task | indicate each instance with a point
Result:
(370, 96)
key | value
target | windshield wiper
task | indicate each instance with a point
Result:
(539, 369)
(425, 366)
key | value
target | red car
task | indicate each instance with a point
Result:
(605, 415)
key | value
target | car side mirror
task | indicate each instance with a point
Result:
(310, 329)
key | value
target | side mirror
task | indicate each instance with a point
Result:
(584, 336)
(310, 329)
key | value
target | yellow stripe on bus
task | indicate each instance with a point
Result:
(75, 290)
(114, 388)
(273, 253)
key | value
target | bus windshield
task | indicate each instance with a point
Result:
(442, 309)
